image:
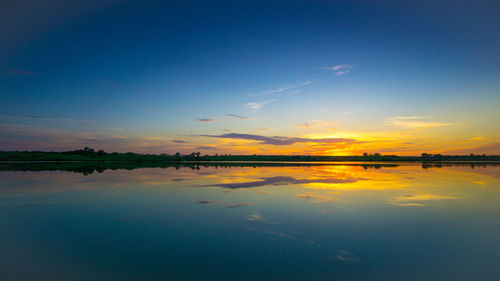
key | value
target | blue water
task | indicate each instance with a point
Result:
(338, 222)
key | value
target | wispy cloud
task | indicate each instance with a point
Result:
(204, 147)
(489, 148)
(235, 116)
(280, 90)
(415, 122)
(276, 140)
(408, 117)
(340, 69)
(256, 106)
(340, 73)
(36, 137)
(180, 141)
(205, 119)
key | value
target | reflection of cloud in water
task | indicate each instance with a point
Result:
(345, 256)
(255, 217)
(205, 202)
(318, 197)
(290, 235)
(416, 199)
(178, 179)
(264, 192)
(282, 180)
(287, 235)
(237, 205)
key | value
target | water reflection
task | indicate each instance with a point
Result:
(288, 221)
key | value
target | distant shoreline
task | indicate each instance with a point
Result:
(90, 155)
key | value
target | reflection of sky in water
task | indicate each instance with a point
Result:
(242, 223)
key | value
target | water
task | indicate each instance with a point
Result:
(326, 222)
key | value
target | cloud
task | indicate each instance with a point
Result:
(415, 122)
(282, 180)
(490, 148)
(205, 120)
(180, 141)
(281, 140)
(340, 73)
(408, 117)
(238, 205)
(256, 106)
(235, 116)
(31, 137)
(205, 147)
(304, 125)
(279, 90)
(340, 69)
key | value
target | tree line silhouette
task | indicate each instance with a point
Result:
(89, 154)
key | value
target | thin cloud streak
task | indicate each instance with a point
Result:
(415, 122)
(203, 147)
(279, 90)
(205, 120)
(236, 116)
(256, 106)
(340, 69)
(276, 140)
(489, 148)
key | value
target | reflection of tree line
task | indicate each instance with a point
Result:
(472, 165)
(87, 168)
(89, 154)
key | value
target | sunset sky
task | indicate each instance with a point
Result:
(251, 77)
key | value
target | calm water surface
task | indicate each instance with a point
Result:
(330, 222)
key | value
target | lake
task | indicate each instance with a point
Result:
(338, 221)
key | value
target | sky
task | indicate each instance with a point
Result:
(251, 77)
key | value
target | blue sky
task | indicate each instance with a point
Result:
(75, 73)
